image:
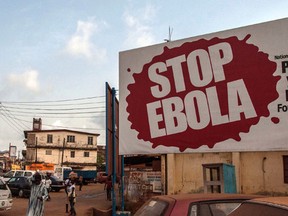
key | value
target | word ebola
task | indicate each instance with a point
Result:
(201, 106)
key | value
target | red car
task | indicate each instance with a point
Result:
(101, 177)
(192, 205)
(268, 206)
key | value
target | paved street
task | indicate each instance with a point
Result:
(91, 196)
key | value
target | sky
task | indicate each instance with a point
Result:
(57, 55)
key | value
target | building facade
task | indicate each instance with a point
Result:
(61, 147)
(256, 172)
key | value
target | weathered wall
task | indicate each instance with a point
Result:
(256, 172)
(263, 172)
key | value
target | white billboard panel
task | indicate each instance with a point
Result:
(225, 91)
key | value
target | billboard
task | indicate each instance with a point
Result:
(219, 92)
(12, 151)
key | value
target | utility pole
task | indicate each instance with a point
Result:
(63, 148)
(36, 149)
(114, 151)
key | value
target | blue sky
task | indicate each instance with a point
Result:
(64, 50)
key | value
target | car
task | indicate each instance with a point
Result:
(6, 200)
(267, 206)
(17, 173)
(20, 186)
(192, 204)
(101, 177)
(57, 184)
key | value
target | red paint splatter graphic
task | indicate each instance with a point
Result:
(201, 93)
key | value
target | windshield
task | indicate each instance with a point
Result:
(9, 174)
(152, 208)
(2, 185)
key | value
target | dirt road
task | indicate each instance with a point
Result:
(91, 196)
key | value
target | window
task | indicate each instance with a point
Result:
(49, 138)
(28, 173)
(9, 174)
(90, 140)
(49, 152)
(71, 138)
(153, 207)
(72, 154)
(285, 167)
(86, 154)
(19, 173)
(3, 185)
(214, 208)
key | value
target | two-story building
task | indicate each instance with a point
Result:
(61, 147)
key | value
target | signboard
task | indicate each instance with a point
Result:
(225, 91)
(12, 151)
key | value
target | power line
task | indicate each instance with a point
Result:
(27, 104)
(62, 117)
(11, 123)
(54, 113)
(78, 108)
(53, 101)
(10, 115)
(47, 125)
(54, 109)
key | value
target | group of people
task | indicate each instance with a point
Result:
(40, 193)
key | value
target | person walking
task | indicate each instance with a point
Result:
(80, 181)
(72, 198)
(108, 187)
(48, 183)
(38, 196)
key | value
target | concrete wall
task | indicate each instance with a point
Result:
(53, 152)
(256, 172)
(56, 156)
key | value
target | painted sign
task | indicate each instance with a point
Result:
(225, 91)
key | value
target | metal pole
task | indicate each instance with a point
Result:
(107, 131)
(36, 150)
(63, 148)
(114, 152)
(122, 183)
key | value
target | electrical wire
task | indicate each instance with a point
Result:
(53, 101)
(10, 115)
(10, 123)
(79, 108)
(54, 109)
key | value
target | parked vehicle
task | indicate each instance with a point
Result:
(57, 184)
(20, 186)
(192, 204)
(6, 200)
(88, 175)
(101, 177)
(59, 172)
(16, 173)
(268, 206)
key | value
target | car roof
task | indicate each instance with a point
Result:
(180, 202)
(19, 177)
(205, 197)
(279, 201)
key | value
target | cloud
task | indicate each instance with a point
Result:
(27, 80)
(139, 29)
(80, 44)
